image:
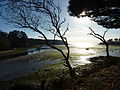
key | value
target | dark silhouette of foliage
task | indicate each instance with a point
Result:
(17, 38)
(115, 41)
(32, 41)
(4, 42)
(104, 12)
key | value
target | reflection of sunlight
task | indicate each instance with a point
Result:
(84, 51)
(84, 45)
(82, 61)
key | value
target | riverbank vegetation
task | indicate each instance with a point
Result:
(18, 39)
(103, 74)
(115, 41)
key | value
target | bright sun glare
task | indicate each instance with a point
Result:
(84, 45)
(83, 13)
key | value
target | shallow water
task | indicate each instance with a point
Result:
(12, 68)
(93, 51)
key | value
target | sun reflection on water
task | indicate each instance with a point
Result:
(84, 45)
(84, 53)
(83, 60)
(83, 49)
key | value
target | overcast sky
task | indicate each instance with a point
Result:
(78, 27)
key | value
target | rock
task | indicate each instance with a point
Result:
(87, 48)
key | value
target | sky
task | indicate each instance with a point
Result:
(78, 27)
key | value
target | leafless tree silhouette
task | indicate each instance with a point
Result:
(41, 16)
(102, 38)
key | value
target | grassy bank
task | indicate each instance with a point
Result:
(102, 74)
(23, 51)
(15, 52)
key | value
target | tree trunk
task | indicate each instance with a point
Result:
(107, 49)
(71, 70)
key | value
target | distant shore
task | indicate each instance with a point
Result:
(111, 43)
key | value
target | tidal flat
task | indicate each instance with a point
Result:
(47, 64)
(44, 58)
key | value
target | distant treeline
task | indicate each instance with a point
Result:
(32, 41)
(115, 41)
(15, 39)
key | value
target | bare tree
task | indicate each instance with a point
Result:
(102, 38)
(41, 16)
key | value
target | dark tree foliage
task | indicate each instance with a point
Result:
(4, 42)
(104, 12)
(17, 38)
